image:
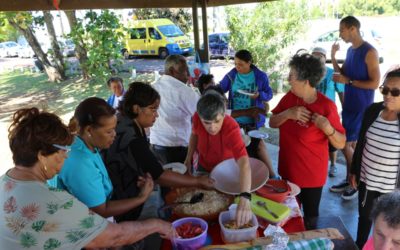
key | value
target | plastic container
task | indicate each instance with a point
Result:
(269, 193)
(190, 243)
(236, 235)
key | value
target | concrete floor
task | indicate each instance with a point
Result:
(331, 203)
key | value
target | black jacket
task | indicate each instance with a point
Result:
(370, 115)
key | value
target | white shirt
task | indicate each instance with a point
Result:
(177, 106)
(117, 100)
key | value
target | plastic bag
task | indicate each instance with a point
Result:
(197, 68)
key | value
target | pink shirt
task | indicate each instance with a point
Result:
(370, 244)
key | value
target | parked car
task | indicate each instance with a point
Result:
(9, 49)
(327, 39)
(219, 45)
(26, 52)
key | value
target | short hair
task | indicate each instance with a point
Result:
(210, 105)
(308, 67)
(350, 21)
(89, 112)
(114, 79)
(33, 131)
(203, 80)
(244, 55)
(140, 94)
(173, 61)
(388, 205)
(394, 71)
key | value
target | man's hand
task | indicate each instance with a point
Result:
(334, 49)
(146, 185)
(337, 77)
(322, 123)
(205, 182)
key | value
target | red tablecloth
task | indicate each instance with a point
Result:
(293, 225)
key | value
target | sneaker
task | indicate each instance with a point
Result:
(332, 171)
(339, 187)
(349, 194)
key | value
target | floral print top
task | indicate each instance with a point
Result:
(36, 216)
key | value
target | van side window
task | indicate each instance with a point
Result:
(139, 33)
(153, 33)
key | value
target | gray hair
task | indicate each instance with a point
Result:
(388, 205)
(211, 105)
(173, 61)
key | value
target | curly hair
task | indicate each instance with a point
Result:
(140, 94)
(308, 67)
(32, 132)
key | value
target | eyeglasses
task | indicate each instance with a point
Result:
(67, 149)
(385, 90)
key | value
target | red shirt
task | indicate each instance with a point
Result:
(303, 153)
(226, 144)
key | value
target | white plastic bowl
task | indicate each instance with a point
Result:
(226, 176)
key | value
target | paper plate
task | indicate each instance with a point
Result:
(295, 190)
(245, 92)
(258, 134)
(175, 167)
(226, 176)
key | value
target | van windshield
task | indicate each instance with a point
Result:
(170, 30)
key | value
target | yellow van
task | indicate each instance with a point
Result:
(158, 37)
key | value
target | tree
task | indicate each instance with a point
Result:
(58, 57)
(181, 17)
(22, 21)
(76, 35)
(266, 31)
(7, 32)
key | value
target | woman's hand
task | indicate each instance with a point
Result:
(146, 185)
(255, 96)
(300, 113)
(321, 122)
(205, 182)
(243, 212)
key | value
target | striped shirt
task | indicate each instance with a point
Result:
(381, 156)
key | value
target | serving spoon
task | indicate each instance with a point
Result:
(198, 197)
(276, 189)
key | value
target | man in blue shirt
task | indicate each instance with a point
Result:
(329, 88)
(360, 73)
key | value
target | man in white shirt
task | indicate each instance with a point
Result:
(171, 132)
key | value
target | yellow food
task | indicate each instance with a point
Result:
(232, 225)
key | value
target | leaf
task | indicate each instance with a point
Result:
(52, 208)
(87, 222)
(10, 206)
(51, 244)
(74, 236)
(38, 225)
(68, 204)
(28, 240)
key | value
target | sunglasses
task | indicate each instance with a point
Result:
(385, 90)
(67, 149)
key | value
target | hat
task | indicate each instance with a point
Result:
(319, 50)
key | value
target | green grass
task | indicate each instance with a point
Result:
(19, 90)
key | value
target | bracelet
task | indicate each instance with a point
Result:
(333, 132)
(246, 195)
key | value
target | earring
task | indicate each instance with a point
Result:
(89, 134)
(45, 167)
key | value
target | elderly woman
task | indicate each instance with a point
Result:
(216, 137)
(307, 121)
(386, 217)
(129, 157)
(38, 216)
(375, 165)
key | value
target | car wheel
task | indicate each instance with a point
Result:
(163, 53)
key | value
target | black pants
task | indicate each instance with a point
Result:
(310, 198)
(170, 154)
(366, 200)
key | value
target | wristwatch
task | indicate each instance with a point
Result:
(246, 195)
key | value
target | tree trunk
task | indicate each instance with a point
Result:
(80, 50)
(27, 32)
(58, 57)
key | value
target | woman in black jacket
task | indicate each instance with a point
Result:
(376, 159)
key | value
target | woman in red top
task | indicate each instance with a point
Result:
(216, 137)
(307, 120)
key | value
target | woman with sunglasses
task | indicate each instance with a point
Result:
(376, 160)
(307, 121)
(37, 216)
